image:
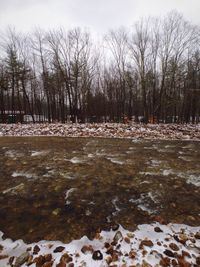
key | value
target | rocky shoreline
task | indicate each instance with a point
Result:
(150, 245)
(106, 130)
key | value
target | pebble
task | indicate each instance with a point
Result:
(21, 259)
(97, 255)
(117, 236)
(59, 249)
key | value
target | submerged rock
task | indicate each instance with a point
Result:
(21, 259)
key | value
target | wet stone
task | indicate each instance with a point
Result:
(97, 255)
(174, 247)
(147, 243)
(169, 253)
(21, 259)
(158, 230)
(36, 249)
(59, 249)
(117, 236)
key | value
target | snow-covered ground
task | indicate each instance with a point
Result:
(117, 130)
(149, 245)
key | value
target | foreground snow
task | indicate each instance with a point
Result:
(149, 245)
(117, 130)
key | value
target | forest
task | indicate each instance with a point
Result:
(149, 72)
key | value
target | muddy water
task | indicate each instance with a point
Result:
(63, 188)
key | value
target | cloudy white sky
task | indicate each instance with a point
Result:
(96, 15)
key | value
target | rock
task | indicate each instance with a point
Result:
(115, 256)
(130, 235)
(48, 264)
(110, 250)
(127, 240)
(165, 262)
(87, 249)
(106, 245)
(174, 247)
(59, 249)
(183, 263)
(186, 254)
(183, 238)
(132, 254)
(159, 219)
(198, 261)
(108, 260)
(66, 258)
(97, 255)
(48, 257)
(36, 249)
(117, 237)
(197, 235)
(3, 257)
(146, 264)
(30, 260)
(56, 211)
(61, 264)
(21, 259)
(115, 227)
(147, 243)
(10, 261)
(39, 261)
(174, 263)
(169, 253)
(158, 230)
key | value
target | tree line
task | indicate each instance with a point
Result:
(149, 72)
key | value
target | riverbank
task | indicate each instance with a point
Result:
(106, 130)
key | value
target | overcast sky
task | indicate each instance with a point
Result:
(96, 15)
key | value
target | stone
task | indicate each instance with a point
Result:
(11, 259)
(61, 264)
(169, 253)
(108, 259)
(147, 243)
(87, 249)
(66, 258)
(198, 261)
(158, 230)
(117, 237)
(115, 227)
(132, 254)
(174, 247)
(127, 240)
(130, 235)
(30, 260)
(97, 255)
(59, 249)
(115, 256)
(22, 259)
(186, 254)
(48, 257)
(48, 264)
(3, 257)
(165, 262)
(197, 235)
(146, 264)
(36, 249)
(39, 261)
(174, 263)
(183, 263)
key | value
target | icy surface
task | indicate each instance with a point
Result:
(129, 249)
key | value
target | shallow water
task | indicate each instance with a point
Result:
(58, 188)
